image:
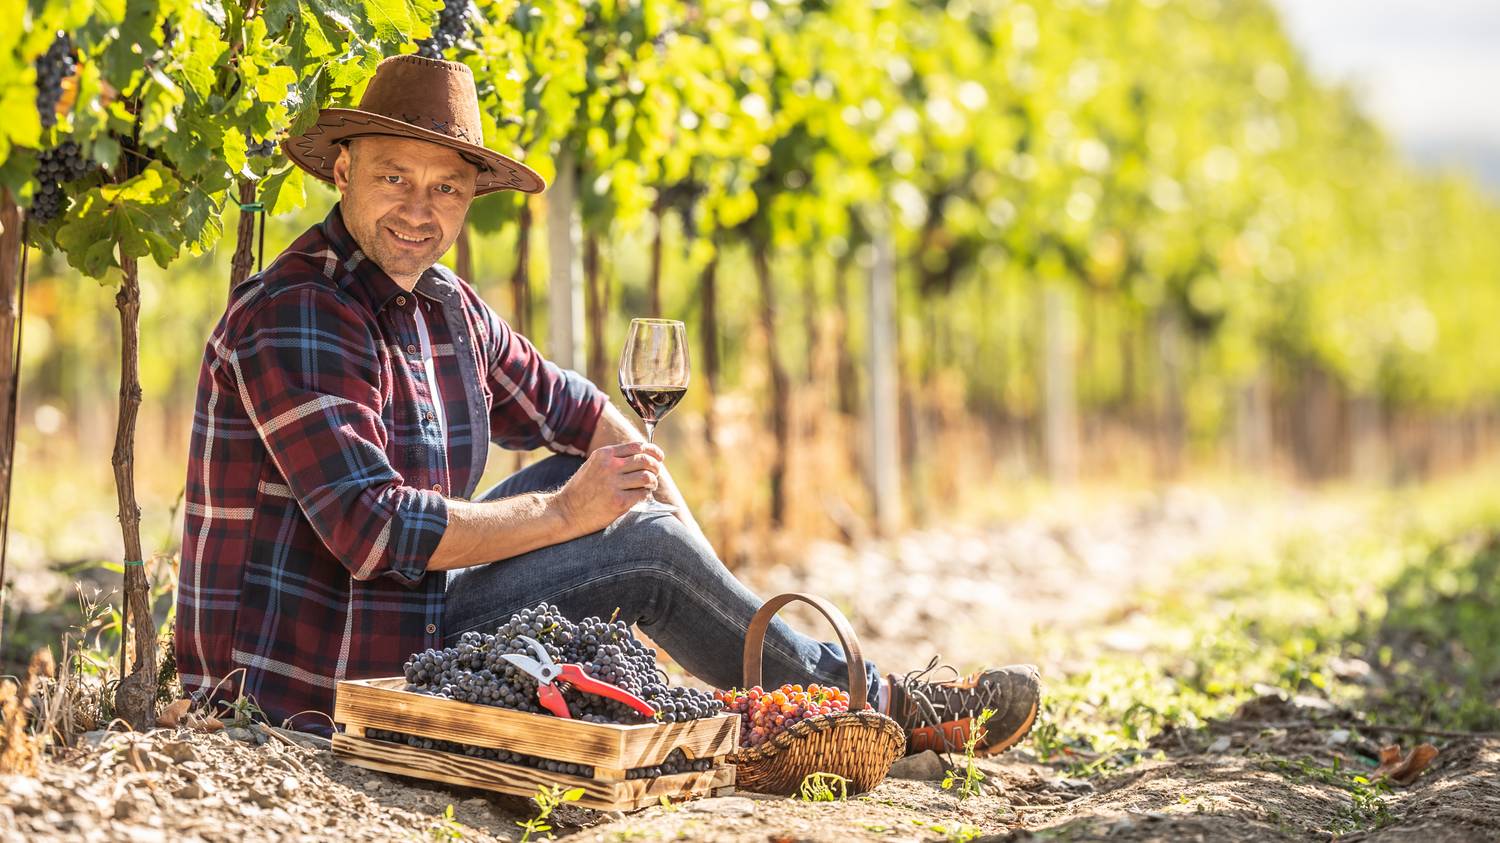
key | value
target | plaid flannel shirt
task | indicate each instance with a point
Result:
(318, 478)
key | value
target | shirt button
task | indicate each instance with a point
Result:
(428, 415)
(437, 487)
(432, 629)
(401, 300)
(411, 349)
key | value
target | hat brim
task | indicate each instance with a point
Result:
(317, 149)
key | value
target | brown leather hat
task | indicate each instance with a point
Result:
(414, 97)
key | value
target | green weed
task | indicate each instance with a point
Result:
(547, 799)
(968, 783)
(445, 827)
(818, 787)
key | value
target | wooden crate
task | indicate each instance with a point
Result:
(610, 749)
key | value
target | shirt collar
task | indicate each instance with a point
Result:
(369, 281)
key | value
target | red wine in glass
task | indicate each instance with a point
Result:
(652, 403)
(654, 373)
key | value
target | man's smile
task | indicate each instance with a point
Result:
(405, 238)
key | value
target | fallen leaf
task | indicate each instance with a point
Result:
(173, 713)
(1403, 770)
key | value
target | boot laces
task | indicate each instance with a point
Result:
(936, 701)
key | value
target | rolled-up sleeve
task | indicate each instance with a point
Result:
(536, 402)
(308, 371)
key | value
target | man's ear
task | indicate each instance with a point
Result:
(341, 167)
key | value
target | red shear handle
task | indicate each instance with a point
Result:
(574, 675)
(552, 700)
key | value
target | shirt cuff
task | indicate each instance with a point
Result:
(420, 521)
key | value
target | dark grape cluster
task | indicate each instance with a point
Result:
(61, 163)
(259, 149)
(450, 26)
(52, 68)
(475, 671)
(676, 762)
(501, 755)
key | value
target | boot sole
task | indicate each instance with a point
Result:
(928, 736)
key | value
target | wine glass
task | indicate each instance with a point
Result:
(654, 377)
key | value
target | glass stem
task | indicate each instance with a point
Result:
(650, 429)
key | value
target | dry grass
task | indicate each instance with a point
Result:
(20, 741)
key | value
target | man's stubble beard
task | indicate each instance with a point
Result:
(397, 263)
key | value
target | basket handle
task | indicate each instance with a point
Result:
(755, 639)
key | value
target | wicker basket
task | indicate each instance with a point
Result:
(858, 745)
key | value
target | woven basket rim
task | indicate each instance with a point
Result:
(782, 741)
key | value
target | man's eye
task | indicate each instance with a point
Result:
(446, 188)
(392, 179)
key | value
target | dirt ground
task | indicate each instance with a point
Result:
(1272, 771)
(185, 786)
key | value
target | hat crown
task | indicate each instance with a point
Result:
(432, 94)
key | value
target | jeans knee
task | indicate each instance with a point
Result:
(660, 537)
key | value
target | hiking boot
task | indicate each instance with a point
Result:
(939, 715)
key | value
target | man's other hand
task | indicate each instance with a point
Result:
(612, 480)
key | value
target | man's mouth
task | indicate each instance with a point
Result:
(407, 238)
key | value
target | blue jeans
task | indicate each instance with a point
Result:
(660, 575)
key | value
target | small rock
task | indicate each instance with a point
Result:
(288, 786)
(94, 738)
(477, 802)
(239, 734)
(1220, 745)
(372, 784)
(179, 751)
(925, 766)
(1311, 702)
(1077, 785)
(143, 758)
(1351, 669)
(26, 791)
(725, 806)
(1122, 827)
(196, 789)
(614, 816)
(1339, 737)
(126, 806)
(260, 797)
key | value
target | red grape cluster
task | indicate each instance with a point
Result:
(765, 714)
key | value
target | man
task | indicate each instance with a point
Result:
(345, 406)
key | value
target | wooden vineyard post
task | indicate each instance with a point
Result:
(244, 237)
(885, 446)
(520, 277)
(12, 274)
(463, 255)
(136, 695)
(598, 309)
(1060, 408)
(565, 266)
(780, 389)
(653, 281)
(708, 333)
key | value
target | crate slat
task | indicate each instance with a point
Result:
(382, 704)
(523, 781)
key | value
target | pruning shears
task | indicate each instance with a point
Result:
(548, 673)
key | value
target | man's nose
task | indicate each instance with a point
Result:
(417, 211)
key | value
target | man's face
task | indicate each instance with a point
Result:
(404, 201)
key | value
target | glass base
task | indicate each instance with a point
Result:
(651, 504)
